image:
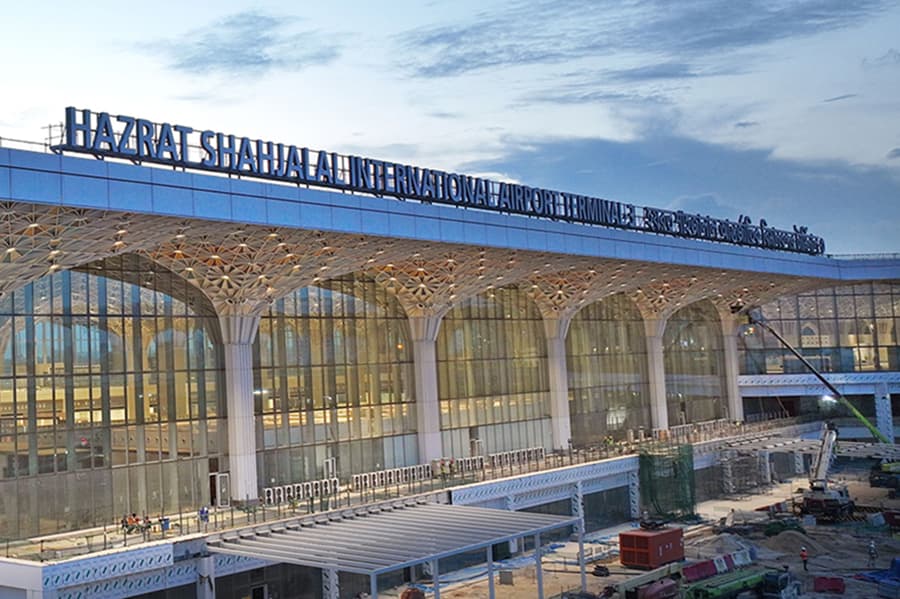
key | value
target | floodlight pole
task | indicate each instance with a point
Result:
(754, 320)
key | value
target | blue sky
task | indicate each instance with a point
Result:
(788, 111)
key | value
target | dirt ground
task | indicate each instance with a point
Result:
(834, 550)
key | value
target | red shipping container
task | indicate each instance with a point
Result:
(699, 570)
(829, 584)
(651, 548)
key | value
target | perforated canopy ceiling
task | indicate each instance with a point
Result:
(374, 542)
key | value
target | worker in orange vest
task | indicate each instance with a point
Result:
(804, 557)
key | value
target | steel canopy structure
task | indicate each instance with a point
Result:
(379, 540)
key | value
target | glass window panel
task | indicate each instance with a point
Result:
(694, 364)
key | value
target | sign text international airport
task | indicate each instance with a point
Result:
(117, 136)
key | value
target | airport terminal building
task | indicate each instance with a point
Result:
(188, 318)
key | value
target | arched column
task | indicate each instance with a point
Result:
(555, 330)
(654, 329)
(730, 332)
(424, 331)
(238, 332)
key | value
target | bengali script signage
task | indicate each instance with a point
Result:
(118, 136)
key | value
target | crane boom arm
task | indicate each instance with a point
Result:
(835, 393)
(818, 476)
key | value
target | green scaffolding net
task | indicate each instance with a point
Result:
(667, 481)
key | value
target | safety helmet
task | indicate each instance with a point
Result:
(803, 549)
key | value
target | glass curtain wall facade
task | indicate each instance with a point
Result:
(110, 397)
(334, 386)
(695, 365)
(606, 355)
(839, 329)
(492, 374)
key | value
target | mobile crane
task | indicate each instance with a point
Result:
(822, 499)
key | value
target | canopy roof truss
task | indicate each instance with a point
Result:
(387, 538)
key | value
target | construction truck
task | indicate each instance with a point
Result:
(825, 499)
(780, 585)
(661, 583)
(673, 582)
(764, 583)
(885, 475)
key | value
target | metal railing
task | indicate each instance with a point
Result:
(113, 535)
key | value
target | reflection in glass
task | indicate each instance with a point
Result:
(492, 374)
(695, 365)
(838, 329)
(334, 379)
(607, 364)
(97, 385)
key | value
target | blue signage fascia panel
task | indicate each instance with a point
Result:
(210, 183)
(90, 192)
(4, 182)
(346, 220)
(172, 201)
(129, 172)
(375, 223)
(38, 180)
(39, 187)
(282, 192)
(164, 176)
(210, 204)
(24, 159)
(79, 167)
(283, 214)
(430, 228)
(249, 209)
(315, 216)
(130, 196)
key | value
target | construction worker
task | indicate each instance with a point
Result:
(804, 557)
(873, 555)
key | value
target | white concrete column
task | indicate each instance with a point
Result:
(884, 416)
(238, 332)
(634, 494)
(765, 467)
(331, 586)
(490, 571)
(555, 330)
(424, 331)
(538, 566)
(654, 329)
(206, 577)
(578, 504)
(732, 370)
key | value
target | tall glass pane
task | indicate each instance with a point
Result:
(333, 372)
(494, 353)
(90, 358)
(842, 329)
(606, 356)
(695, 365)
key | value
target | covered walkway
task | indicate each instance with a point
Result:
(377, 541)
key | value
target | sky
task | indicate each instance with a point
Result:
(787, 111)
